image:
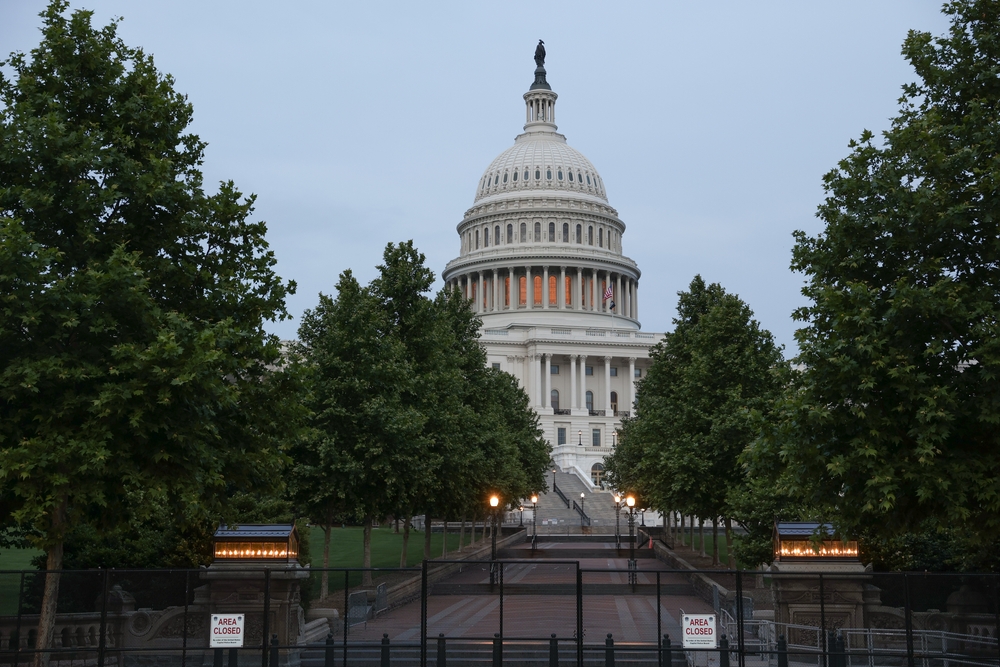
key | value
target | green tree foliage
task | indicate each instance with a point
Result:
(133, 362)
(406, 418)
(892, 426)
(696, 407)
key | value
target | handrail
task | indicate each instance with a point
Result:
(584, 519)
(555, 487)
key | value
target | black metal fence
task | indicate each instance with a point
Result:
(511, 612)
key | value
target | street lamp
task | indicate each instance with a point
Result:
(618, 509)
(630, 502)
(580, 435)
(521, 508)
(534, 519)
(553, 479)
(583, 499)
(642, 514)
(494, 505)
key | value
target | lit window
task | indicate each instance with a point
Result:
(555, 369)
(614, 372)
(638, 372)
(589, 371)
(596, 437)
(496, 365)
(537, 282)
(522, 290)
(553, 283)
(561, 436)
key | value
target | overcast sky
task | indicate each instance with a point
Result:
(361, 123)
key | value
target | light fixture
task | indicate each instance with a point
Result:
(534, 499)
(630, 501)
(618, 498)
(494, 501)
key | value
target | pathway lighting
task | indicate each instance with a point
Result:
(630, 501)
(521, 508)
(618, 533)
(580, 434)
(495, 507)
(534, 519)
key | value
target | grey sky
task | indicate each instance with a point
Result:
(361, 123)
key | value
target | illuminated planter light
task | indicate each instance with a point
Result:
(795, 541)
(257, 542)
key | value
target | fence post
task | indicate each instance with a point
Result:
(723, 652)
(217, 658)
(330, 651)
(347, 598)
(385, 650)
(184, 633)
(267, 621)
(497, 650)
(909, 621)
(234, 657)
(740, 646)
(822, 623)
(102, 642)
(442, 658)
(553, 651)
(423, 615)
(782, 651)
(831, 642)
(659, 628)
(609, 651)
(274, 650)
(667, 652)
(579, 616)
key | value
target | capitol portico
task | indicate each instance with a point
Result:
(540, 249)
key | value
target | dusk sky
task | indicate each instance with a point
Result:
(361, 123)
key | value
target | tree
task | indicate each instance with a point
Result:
(133, 361)
(892, 423)
(695, 407)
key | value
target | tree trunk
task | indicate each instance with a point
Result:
(324, 587)
(729, 544)
(472, 541)
(715, 541)
(427, 536)
(50, 595)
(366, 576)
(397, 525)
(461, 534)
(444, 538)
(406, 541)
(681, 515)
(691, 530)
(701, 536)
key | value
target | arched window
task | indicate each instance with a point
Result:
(565, 237)
(590, 235)
(552, 232)
(579, 178)
(506, 291)
(614, 401)
(600, 237)
(486, 237)
(590, 400)
(515, 176)
(554, 398)
(522, 291)
(559, 174)
(538, 175)
(588, 179)
(526, 174)
(597, 474)
(568, 291)
(548, 174)
(505, 177)
(579, 238)
(510, 233)
(571, 177)
(477, 239)
(524, 232)
(538, 232)
(553, 282)
(538, 290)
(496, 235)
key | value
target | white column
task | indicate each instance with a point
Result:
(536, 362)
(631, 386)
(545, 287)
(561, 289)
(530, 291)
(619, 301)
(578, 290)
(481, 293)
(495, 292)
(593, 290)
(511, 287)
(583, 381)
(573, 394)
(636, 291)
(547, 396)
(607, 386)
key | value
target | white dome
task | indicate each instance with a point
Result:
(540, 161)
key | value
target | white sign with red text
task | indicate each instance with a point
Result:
(698, 631)
(226, 631)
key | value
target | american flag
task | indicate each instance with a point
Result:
(608, 293)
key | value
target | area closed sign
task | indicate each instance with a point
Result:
(226, 631)
(698, 631)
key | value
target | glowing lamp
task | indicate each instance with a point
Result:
(804, 541)
(257, 542)
(534, 499)
(630, 501)
(494, 501)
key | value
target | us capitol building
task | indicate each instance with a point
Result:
(541, 248)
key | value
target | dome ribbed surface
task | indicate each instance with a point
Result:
(543, 156)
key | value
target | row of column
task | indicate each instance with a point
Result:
(497, 290)
(542, 368)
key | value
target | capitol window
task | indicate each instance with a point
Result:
(515, 177)
(526, 174)
(590, 235)
(537, 285)
(522, 290)
(510, 233)
(505, 177)
(579, 238)
(595, 437)
(496, 235)
(590, 400)
(554, 369)
(561, 436)
(588, 179)
(486, 237)
(524, 232)
(614, 372)
(538, 175)
(552, 232)
(571, 177)
(477, 239)
(538, 232)
(600, 237)
(565, 237)
(554, 398)
(552, 290)
(638, 372)
(548, 174)
(496, 365)
(589, 371)
(559, 174)
(579, 178)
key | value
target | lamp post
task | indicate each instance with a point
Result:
(618, 509)
(583, 499)
(521, 508)
(630, 502)
(495, 507)
(534, 519)
(580, 435)
(553, 479)
(642, 515)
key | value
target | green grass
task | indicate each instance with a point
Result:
(346, 546)
(10, 583)
(723, 547)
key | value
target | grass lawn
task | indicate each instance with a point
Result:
(10, 583)
(723, 547)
